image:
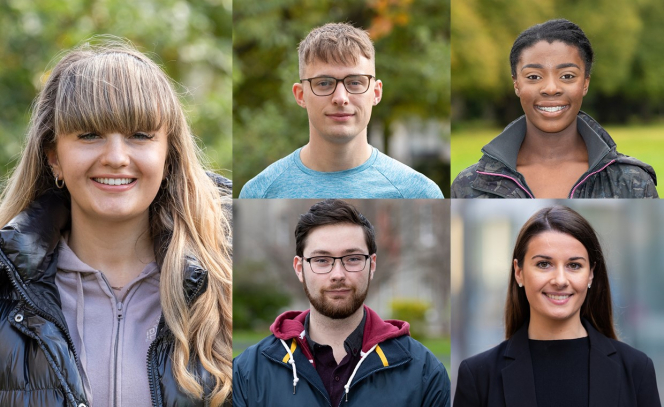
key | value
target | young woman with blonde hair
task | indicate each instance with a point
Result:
(116, 249)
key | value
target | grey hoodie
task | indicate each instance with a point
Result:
(111, 331)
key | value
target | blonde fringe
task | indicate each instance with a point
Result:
(190, 210)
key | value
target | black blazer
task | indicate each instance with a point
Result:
(620, 376)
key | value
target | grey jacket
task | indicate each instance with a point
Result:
(610, 174)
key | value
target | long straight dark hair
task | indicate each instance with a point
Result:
(596, 307)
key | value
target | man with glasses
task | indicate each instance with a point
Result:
(338, 88)
(340, 350)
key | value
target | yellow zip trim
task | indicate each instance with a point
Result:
(292, 349)
(381, 355)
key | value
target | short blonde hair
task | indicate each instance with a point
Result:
(335, 42)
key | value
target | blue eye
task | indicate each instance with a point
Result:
(88, 136)
(142, 136)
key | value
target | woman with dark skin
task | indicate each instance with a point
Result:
(561, 347)
(555, 150)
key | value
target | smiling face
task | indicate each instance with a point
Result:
(110, 176)
(551, 84)
(340, 117)
(339, 293)
(555, 274)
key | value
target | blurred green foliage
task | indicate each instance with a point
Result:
(256, 299)
(627, 84)
(412, 60)
(191, 40)
(414, 312)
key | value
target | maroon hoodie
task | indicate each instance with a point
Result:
(290, 325)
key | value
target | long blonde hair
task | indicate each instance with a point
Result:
(110, 87)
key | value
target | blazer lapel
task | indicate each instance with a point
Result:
(605, 374)
(518, 378)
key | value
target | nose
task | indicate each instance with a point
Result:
(338, 272)
(550, 86)
(559, 279)
(340, 95)
(115, 154)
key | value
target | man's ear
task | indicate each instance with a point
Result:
(298, 93)
(378, 91)
(298, 263)
(372, 270)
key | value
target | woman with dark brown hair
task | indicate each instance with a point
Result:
(560, 348)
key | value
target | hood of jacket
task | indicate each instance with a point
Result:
(290, 325)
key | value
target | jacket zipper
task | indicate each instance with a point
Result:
(152, 379)
(119, 314)
(115, 359)
(571, 195)
(6, 264)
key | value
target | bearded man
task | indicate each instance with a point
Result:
(339, 350)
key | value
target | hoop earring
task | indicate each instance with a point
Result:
(59, 185)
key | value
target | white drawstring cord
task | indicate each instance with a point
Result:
(362, 358)
(291, 360)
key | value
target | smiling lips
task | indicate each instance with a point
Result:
(114, 181)
(551, 109)
(558, 299)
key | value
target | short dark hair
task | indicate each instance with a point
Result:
(332, 212)
(596, 307)
(550, 31)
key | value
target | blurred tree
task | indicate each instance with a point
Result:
(412, 59)
(191, 40)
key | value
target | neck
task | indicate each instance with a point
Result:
(321, 155)
(119, 249)
(333, 332)
(546, 329)
(541, 147)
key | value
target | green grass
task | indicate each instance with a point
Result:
(644, 142)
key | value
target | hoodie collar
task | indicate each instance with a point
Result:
(290, 325)
(505, 147)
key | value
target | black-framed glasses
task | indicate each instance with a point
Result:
(325, 264)
(326, 85)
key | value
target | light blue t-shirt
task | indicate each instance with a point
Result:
(379, 177)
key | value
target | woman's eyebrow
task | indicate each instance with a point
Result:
(561, 66)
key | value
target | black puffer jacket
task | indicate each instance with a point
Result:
(38, 362)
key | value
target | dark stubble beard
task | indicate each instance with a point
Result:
(333, 311)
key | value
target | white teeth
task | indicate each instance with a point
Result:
(558, 297)
(114, 181)
(551, 109)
